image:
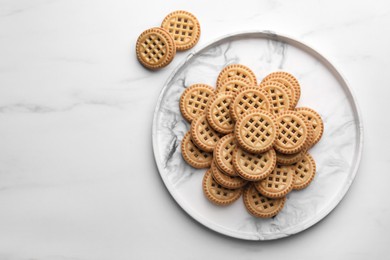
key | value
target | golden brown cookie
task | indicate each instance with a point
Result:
(184, 28)
(203, 135)
(259, 205)
(256, 131)
(315, 122)
(305, 170)
(216, 193)
(279, 95)
(249, 98)
(223, 154)
(239, 71)
(230, 182)
(290, 82)
(233, 84)
(193, 101)
(278, 183)
(155, 48)
(253, 167)
(193, 155)
(293, 132)
(217, 113)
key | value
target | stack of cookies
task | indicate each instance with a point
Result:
(251, 137)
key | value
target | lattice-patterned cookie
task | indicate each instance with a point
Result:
(217, 112)
(305, 170)
(203, 135)
(233, 84)
(278, 183)
(293, 132)
(249, 98)
(238, 71)
(223, 154)
(216, 193)
(260, 206)
(155, 48)
(253, 167)
(193, 101)
(289, 81)
(192, 155)
(230, 182)
(279, 96)
(256, 131)
(184, 28)
(314, 120)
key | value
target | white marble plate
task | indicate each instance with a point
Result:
(337, 155)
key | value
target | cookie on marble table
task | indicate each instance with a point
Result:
(155, 48)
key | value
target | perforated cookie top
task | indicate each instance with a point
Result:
(314, 120)
(217, 112)
(223, 154)
(304, 170)
(279, 95)
(193, 101)
(216, 193)
(203, 135)
(278, 183)
(155, 48)
(230, 182)
(256, 131)
(289, 81)
(259, 205)
(192, 155)
(253, 167)
(236, 71)
(249, 98)
(293, 132)
(233, 84)
(184, 28)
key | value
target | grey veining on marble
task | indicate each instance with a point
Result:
(337, 155)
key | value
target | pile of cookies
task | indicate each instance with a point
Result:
(252, 137)
(156, 47)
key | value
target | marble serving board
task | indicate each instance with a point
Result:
(337, 155)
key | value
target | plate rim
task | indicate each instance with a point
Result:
(335, 71)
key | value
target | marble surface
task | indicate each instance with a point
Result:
(77, 173)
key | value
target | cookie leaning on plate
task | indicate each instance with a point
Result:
(155, 48)
(193, 155)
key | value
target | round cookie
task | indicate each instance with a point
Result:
(293, 132)
(253, 167)
(230, 182)
(278, 183)
(217, 112)
(203, 135)
(260, 206)
(223, 154)
(256, 131)
(249, 98)
(315, 121)
(289, 81)
(155, 48)
(193, 155)
(305, 170)
(193, 101)
(279, 96)
(239, 71)
(233, 84)
(184, 28)
(216, 193)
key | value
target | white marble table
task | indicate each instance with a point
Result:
(78, 179)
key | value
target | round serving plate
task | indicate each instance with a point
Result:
(337, 155)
